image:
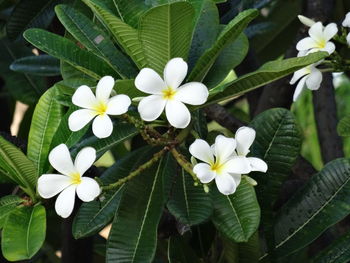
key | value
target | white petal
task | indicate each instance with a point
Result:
(226, 184)
(194, 93)
(316, 32)
(348, 39)
(299, 88)
(330, 47)
(237, 165)
(298, 74)
(257, 164)
(50, 185)
(224, 147)
(61, 160)
(175, 72)
(330, 31)
(201, 150)
(302, 53)
(204, 173)
(149, 81)
(306, 43)
(313, 81)
(346, 22)
(118, 104)
(151, 107)
(65, 201)
(104, 88)
(102, 126)
(245, 137)
(177, 114)
(83, 97)
(79, 118)
(88, 189)
(85, 159)
(306, 21)
(237, 178)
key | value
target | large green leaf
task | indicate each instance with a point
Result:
(226, 37)
(42, 65)
(125, 35)
(46, 119)
(320, 204)
(343, 127)
(165, 32)
(180, 252)
(277, 142)
(24, 233)
(133, 237)
(189, 203)
(337, 252)
(121, 132)
(66, 50)
(236, 216)
(94, 39)
(229, 58)
(269, 72)
(18, 167)
(95, 215)
(8, 204)
(28, 14)
(22, 87)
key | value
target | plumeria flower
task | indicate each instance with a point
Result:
(98, 107)
(346, 22)
(306, 21)
(168, 94)
(70, 180)
(223, 163)
(319, 39)
(310, 76)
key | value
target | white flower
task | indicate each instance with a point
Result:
(169, 94)
(222, 163)
(311, 77)
(99, 106)
(346, 22)
(306, 21)
(70, 180)
(319, 38)
(348, 39)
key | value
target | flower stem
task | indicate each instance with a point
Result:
(156, 157)
(187, 166)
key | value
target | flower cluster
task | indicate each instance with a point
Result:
(346, 23)
(225, 161)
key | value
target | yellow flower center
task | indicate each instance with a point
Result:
(76, 178)
(217, 167)
(168, 93)
(321, 43)
(101, 108)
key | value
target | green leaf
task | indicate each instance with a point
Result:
(226, 37)
(180, 252)
(28, 14)
(125, 35)
(46, 119)
(8, 204)
(277, 142)
(189, 203)
(18, 167)
(269, 72)
(127, 86)
(64, 135)
(323, 202)
(343, 127)
(24, 233)
(94, 39)
(172, 37)
(93, 216)
(236, 216)
(64, 49)
(121, 132)
(337, 252)
(133, 237)
(42, 65)
(229, 58)
(22, 87)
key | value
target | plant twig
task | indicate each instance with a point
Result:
(187, 166)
